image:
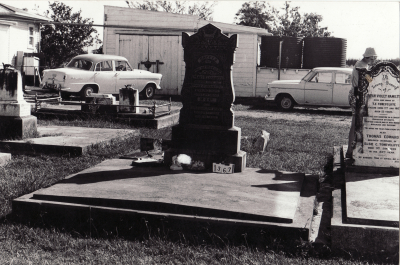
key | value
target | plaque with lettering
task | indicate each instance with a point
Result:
(377, 117)
(207, 91)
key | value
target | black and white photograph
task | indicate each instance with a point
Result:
(199, 132)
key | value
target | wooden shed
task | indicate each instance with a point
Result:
(153, 40)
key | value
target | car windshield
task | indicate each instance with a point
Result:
(80, 64)
(308, 76)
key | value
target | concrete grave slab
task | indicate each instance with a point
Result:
(370, 234)
(270, 196)
(372, 199)
(64, 139)
(255, 197)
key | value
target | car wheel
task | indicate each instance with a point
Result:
(87, 91)
(149, 91)
(285, 102)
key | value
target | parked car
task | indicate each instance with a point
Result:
(322, 86)
(99, 73)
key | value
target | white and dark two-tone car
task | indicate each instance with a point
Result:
(99, 73)
(322, 86)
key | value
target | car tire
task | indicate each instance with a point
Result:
(149, 91)
(87, 91)
(285, 102)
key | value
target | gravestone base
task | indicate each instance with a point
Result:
(14, 109)
(207, 145)
(238, 159)
(372, 170)
(18, 127)
(208, 140)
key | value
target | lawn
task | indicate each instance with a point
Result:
(294, 146)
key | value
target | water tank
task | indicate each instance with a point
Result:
(324, 52)
(291, 51)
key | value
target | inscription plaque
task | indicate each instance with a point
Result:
(377, 117)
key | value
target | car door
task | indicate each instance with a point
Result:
(318, 90)
(341, 88)
(105, 77)
(125, 75)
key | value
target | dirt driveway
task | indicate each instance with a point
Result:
(298, 115)
(269, 111)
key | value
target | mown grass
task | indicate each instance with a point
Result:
(294, 146)
(23, 245)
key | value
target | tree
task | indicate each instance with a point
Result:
(60, 42)
(98, 51)
(290, 23)
(254, 14)
(202, 9)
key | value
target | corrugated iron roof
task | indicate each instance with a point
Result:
(17, 14)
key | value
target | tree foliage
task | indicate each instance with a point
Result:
(285, 21)
(204, 10)
(254, 14)
(61, 42)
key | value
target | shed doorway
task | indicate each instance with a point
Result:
(157, 54)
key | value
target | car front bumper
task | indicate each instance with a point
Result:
(269, 98)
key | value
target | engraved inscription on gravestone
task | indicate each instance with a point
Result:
(206, 130)
(207, 92)
(377, 117)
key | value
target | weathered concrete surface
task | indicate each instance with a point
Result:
(4, 158)
(268, 200)
(64, 139)
(372, 199)
(269, 195)
(358, 238)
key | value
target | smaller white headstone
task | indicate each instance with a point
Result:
(129, 97)
(12, 102)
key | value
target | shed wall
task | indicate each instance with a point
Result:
(247, 54)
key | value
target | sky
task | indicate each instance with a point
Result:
(362, 23)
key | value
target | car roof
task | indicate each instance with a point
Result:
(100, 57)
(343, 69)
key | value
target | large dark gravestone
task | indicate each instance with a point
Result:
(206, 130)
(377, 117)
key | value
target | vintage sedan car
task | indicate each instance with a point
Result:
(99, 73)
(322, 86)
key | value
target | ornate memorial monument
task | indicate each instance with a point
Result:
(206, 130)
(372, 180)
(377, 117)
(16, 120)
